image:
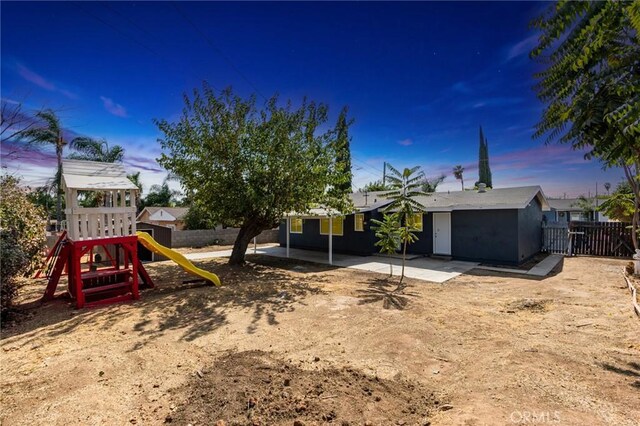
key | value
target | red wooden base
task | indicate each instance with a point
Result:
(99, 286)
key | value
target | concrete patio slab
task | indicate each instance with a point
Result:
(421, 268)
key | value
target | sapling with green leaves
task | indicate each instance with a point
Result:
(406, 186)
(388, 234)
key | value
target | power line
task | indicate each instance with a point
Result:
(217, 49)
(116, 29)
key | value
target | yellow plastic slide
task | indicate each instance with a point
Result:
(151, 244)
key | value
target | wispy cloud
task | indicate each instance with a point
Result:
(113, 108)
(522, 47)
(406, 142)
(461, 87)
(40, 81)
(495, 102)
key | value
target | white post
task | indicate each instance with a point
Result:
(287, 231)
(255, 245)
(330, 240)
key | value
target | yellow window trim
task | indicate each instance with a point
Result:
(295, 225)
(358, 222)
(337, 226)
(416, 222)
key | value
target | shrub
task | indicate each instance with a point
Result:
(22, 237)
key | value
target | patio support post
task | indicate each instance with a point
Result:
(330, 240)
(255, 245)
(287, 232)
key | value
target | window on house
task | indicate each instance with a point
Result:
(336, 228)
(358, 223)
(296, 225)
(415, 222)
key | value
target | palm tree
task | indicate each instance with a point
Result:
(135, 178)
(457, 172)
(607, 187)
(90, 149)
(405, 186)
(50, 132)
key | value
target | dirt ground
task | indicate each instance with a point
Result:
(291, 343)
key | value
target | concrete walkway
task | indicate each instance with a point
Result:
(422, 268)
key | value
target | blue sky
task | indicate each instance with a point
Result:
(419, 78)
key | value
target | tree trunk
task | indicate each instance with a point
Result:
(404, 255)
(635, 187)
(59, 187)
(462, 181)
(245, 235)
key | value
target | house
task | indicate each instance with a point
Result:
(498, 226)
(568, 209)
(171, 217)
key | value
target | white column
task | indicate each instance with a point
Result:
(330, 240)
(287, 231)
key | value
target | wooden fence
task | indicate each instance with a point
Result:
(555, 237)
(612, 239)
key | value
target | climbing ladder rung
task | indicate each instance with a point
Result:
(106, 288)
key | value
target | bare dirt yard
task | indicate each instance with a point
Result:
(292, 343)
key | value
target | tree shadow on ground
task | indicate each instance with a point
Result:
(632, 370)
(192, 309)
(387, 292)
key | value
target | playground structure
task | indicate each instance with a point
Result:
(99, 249)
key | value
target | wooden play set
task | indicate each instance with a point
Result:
(99, 249)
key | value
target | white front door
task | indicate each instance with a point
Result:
(442, 233)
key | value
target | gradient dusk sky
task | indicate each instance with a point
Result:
(419, 79)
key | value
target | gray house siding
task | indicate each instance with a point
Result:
(424, 245)
(494, 236)
(351, 242)
(485, 235)
(529, 231)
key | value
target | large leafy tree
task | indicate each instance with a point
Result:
(90, 149)
(161, 196)
(591, 83)
(406, 185)
(431, 184)
(377, 185)
(620, 205)
(22, 238)
(250, 166)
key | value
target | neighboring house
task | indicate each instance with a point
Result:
(567, 209)
(499, 225)
(171, 217)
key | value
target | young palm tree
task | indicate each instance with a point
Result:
(50, 132)
(405, 186)
(457, 172)
(607, 187)
(95, 150)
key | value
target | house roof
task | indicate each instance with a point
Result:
(176, 213)
(492, 199)
(571, 204)
(94, 175)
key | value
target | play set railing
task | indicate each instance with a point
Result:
(85, 223)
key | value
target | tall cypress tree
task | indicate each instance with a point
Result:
(343, 174)
(487, 168)
(484, 171)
